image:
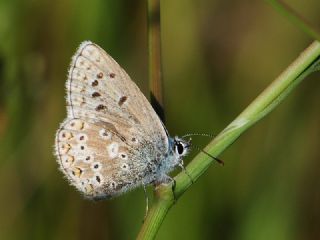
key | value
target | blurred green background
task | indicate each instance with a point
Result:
(217, 57)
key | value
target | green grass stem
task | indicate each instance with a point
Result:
(271, 97)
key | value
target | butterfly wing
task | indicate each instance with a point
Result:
(112, 140)
(99, 89)
(95, 160)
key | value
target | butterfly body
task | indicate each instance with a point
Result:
(112, 140)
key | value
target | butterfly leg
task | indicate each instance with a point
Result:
(147, 201)
(185, 171)
(165, 179)
(168, 179)
(173, 189)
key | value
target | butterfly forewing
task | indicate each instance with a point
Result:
(100, 86)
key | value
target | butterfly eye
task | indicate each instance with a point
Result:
(179, 148)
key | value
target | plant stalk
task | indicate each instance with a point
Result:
(295, 18)
(271, 97)
(155, 66)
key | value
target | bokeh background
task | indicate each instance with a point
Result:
(217, 57)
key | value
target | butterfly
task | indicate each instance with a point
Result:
(112, 140)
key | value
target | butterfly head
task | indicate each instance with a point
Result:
(181, 147)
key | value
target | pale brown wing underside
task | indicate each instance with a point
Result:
(112, 137)
(99, 89)
(95, 159)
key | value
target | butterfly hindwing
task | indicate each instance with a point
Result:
(95, 159)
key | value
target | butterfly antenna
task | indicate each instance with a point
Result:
(199, 134)
(208, 154)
